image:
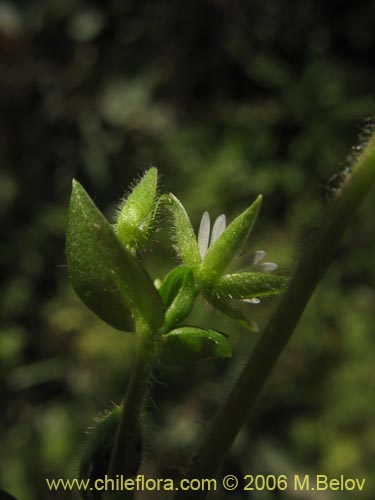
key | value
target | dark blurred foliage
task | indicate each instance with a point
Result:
(229, 99)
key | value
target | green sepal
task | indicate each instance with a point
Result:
(249, 285)
(177, 292)
(188, 344)
(135, 217)
(184, 234)
(235, 309)
(106, 276)
(229, 244)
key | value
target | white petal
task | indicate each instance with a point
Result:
(219, 227)
(267, 267)
(252, 301)
(258, 257)
(204, 234)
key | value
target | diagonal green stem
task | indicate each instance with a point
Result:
(266, 352)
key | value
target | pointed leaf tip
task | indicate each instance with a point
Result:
(136, 215)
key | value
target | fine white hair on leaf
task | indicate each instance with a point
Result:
(252, 301)
(204, 234)
(218, 228)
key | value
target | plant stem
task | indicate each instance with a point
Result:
(262, 359)
(127, 444)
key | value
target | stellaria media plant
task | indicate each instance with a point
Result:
(106, 270)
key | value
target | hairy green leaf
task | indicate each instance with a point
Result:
(98, 447)
(99, 444)
(106, 276)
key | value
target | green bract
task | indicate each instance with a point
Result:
(137, 212)
(106, 276)
(187, 344)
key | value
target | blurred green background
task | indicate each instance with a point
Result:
(228, 99)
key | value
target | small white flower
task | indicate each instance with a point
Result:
(258, 265)
(204, 239)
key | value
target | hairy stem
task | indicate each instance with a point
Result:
(275, 336)
(127, 449)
